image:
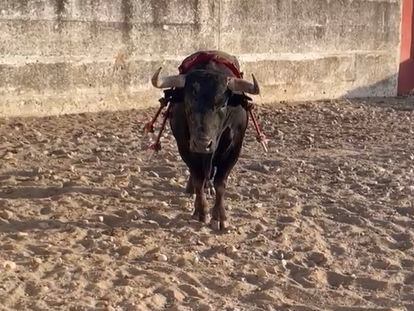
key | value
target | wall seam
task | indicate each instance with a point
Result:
(219, 26)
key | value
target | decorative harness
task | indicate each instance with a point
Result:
(171, 96)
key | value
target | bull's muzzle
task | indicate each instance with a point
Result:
(201, 145)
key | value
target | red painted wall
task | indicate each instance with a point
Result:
(406, 72)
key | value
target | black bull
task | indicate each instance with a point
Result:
(209, 127)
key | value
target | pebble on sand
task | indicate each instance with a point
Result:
(124, 250)
(204, 307)
(36, 262)
(6, 214)
(161, 257)
(230, 250)
(260, 227)
(21, 236)
(9, 265)
(261, 273)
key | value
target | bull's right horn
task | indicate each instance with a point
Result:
(167, 82)
(241, 85)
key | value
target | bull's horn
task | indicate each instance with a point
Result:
(167, 82)
(241, 85)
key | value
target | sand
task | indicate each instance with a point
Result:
(324, 221)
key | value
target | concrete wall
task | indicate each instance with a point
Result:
(59, 56)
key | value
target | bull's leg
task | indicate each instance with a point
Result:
(200, 203)
(210, 183)
(189, 188)
(219, 217)
(209, 187)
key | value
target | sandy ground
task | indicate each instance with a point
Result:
(324, 221)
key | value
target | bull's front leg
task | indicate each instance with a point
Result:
(189, 188)
(219, 217)
(200, 203)
(209, 187)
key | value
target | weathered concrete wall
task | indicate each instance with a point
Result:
(59, 56)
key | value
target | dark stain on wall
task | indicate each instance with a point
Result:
(127, 17)
(156, 9)
(387, 17)
(22, 6)
(60, 11)
(159, 14)
(60, 7)
(94, 30)
(197, 18)
(127, 10)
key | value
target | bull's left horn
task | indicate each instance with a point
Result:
(241, 85)
(167, 82)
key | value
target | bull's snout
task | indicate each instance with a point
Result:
(201, 145)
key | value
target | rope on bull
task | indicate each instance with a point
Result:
(260, 137)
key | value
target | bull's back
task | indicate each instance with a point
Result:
(212, 65)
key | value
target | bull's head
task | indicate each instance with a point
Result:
(206, 95)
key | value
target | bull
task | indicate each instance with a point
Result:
(209, 125)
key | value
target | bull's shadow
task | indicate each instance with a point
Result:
(162, 191)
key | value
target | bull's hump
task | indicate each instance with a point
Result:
(192, 59)
(230, 58)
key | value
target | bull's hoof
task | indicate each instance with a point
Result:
(196, 215)
(215, 225)
(200, 217)
(205, 219)
(223, 226)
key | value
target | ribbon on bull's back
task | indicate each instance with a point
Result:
(166, 101)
